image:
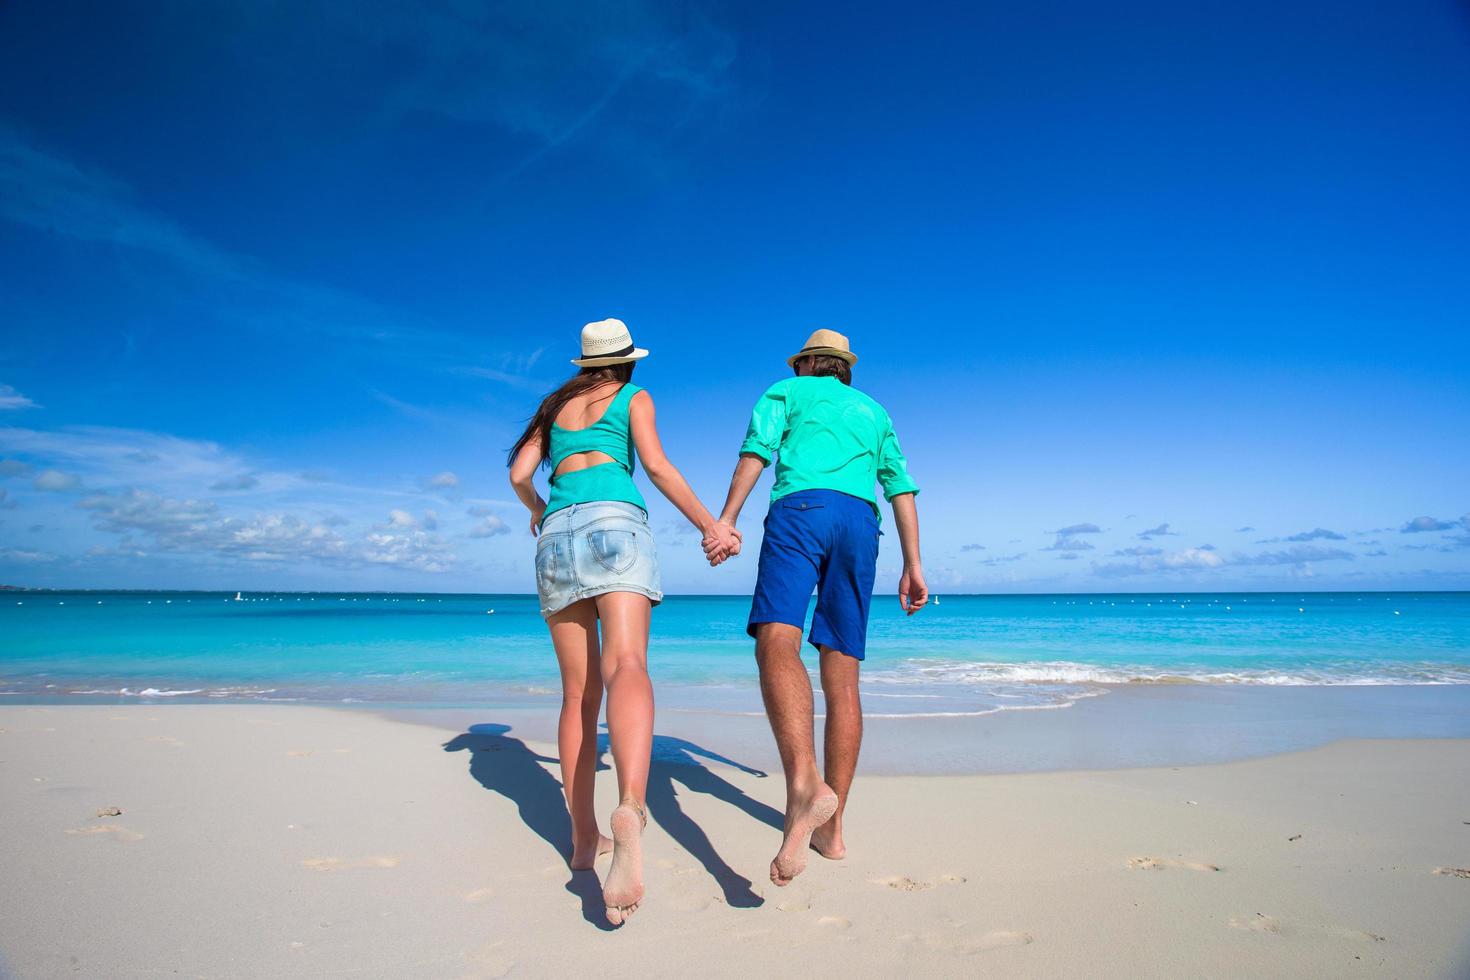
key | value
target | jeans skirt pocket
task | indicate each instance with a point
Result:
(547, 564)
(615, 549)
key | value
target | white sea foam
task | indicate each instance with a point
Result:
(961, 672)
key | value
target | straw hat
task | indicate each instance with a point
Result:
(607, 342)
(825, 342)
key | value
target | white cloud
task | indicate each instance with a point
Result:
(443, 481)
(26, 557)
(1187, 560)
(1154, 532)
(198, 527)
(55, 481)
(489, 526)
(11, 400)
(1065, 543)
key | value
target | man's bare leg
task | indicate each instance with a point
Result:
(787, 692)
(843, 737)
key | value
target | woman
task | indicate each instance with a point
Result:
(595, 562)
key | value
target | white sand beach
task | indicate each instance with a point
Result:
(285, 841)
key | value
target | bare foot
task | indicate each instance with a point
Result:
(623, 890)
(827, 841)
(802, 817)
(583, 855)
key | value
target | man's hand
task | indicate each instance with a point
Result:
(721, 543)
(913, 594)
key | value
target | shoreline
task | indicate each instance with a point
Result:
(1125, 726)
(291, 840)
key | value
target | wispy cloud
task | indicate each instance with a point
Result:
(1316, 534)
(1068, 544)
(55, 481)
(1187, 560)
(1079, 529)
(1421, 524)
(972, 547)
(1300, 554)
(242, 481)
(1157, 532)
(10, 399)
(147, 520)
(47, 191)
(489, 526)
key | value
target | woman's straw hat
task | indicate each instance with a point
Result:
(825, 342)
(607, 342)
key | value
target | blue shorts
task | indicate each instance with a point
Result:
(823, 540)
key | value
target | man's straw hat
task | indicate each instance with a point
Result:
(825, 342)
(607, 342)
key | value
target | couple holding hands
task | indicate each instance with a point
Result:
(596, 563)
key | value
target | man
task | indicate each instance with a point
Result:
(831, 444)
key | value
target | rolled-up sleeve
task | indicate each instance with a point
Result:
(767, 425)
(893, 469)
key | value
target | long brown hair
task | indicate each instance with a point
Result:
(580, 383)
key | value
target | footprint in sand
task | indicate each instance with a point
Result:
(1261, 922)
(165, 739)
(481, 895)
(834, 922)
(115, 831)
(1159, 864)
(903, 883)
(965, 943)
(1453, 872)
(298, 753)
(349, 864)
(794, 902)
(490, 961)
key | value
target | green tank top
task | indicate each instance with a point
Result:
(612, 434)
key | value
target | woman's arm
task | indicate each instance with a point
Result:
(666, 476)
(522, 469)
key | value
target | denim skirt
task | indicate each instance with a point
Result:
(588, 549)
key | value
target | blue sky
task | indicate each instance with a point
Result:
(1160, 296)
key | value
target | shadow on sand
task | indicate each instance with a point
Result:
(508, 766)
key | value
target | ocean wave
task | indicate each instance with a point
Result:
(155, 692)
(949, 672)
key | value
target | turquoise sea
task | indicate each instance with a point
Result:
(968, 655)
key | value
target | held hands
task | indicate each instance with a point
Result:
(721, 543)
(913, 594)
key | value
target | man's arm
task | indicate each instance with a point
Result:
(913, 594)
(747, 475)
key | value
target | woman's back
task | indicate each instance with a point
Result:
(591, 449)
(579, 416)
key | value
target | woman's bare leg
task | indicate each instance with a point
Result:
(625, 618)
(574, 635)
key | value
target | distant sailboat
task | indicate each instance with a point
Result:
(237, 597)
(936, 600)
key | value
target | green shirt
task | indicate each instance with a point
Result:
(826, 435)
